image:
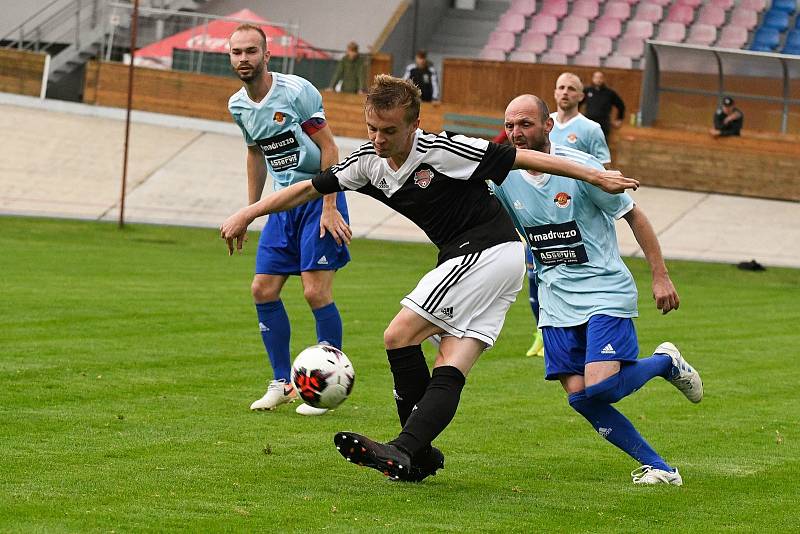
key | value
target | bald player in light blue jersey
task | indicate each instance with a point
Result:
(284, 127)
(573, 130)
(587, 295)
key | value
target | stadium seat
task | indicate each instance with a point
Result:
(544, 24)
(619, 62)
(568, 45)
(499, 40)
(650, 12)
(511, 22)
(732, 37)
(713, 15)
(585, 8)
(756, 5)
(662, 3)
(744, 18)
(522, 56)
(493, 54)
(617, 10)
(604, 27)
(523, 7)
(597, 45)
(574, 25)
(690, 3)
(630, 2)
(631, 47)
(533, 42)
(766, 40)
(792, 45)
(702, 34)
(673, 32)
(776, 19)
(586, 60)
(681, 13)
(553, 58)
(787, 6)
(555, 8)
(724, 4)
(639, 29)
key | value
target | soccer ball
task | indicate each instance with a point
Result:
(323, 376)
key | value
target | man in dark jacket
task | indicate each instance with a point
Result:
(598, 102)
(728, 120)
(422, 73)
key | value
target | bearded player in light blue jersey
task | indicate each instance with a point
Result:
(283, 124)
(571, 129)
(587, 295)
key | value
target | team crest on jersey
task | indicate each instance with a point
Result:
(572, 138)
(562, 200)
(279, 117)
(423, 178)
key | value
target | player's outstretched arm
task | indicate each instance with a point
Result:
(235, 226)
(664, 292)
(608, 180)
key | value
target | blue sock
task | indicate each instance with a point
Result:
(630, 378)
(275, 333)
(533, 294)
(616, 429)
(329, 325)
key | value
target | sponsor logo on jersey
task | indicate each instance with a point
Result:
(518, 205)
(608, 349)
(447, 312)
(572, 138)
(279, 117)
(423, 178)
(284, 162)
(382, 184)
(562, 256)
(562, 200)
(553, 234)
(278, 144)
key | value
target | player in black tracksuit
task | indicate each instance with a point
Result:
(598, 101)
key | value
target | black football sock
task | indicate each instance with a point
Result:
(434, 411)
(411, 377)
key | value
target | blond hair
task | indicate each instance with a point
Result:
(387, 93)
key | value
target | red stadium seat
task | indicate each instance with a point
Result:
(724, 4)
(713, 15)
(702, 34)
(617, 10)
(639, 29)
(555, 8)
(544, 24)
(493, 54)
(607, 28)
(681, 13)
(499, 40)
(619, 62)
(574, 25)
(533, 42)
(690, 3)
(585, 8)
(649, 12)
(597, 45)
(586, 60)
(756, 5)
(673, 32)
(631, 47)
(523, 7)
(511, 22)
(732, 37)
(743, 17)
(568, 45)
(553, 58)
(522, 56)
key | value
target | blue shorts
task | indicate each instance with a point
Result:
(290, 242)
(601, 339)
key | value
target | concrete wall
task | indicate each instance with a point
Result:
(413, 30)
(14, 13)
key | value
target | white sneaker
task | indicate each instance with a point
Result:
(278, 392)
(307, 409)
(648, 475)
(682, 375)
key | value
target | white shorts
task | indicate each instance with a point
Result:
(469, 296)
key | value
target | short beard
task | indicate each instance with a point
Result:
(255, 72)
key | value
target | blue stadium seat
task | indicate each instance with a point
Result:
(766, 40)
(787, 6)
(792, 45)
(776, 19)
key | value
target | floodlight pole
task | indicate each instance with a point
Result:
(134, 27)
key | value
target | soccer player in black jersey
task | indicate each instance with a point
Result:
(437, 181)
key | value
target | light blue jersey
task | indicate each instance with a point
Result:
(569, 226)
(275, 124)
(581, 134)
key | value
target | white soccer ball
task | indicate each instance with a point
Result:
(323, 376)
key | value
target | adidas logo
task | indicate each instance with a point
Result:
(447, 312)
(382, 184)
(262, 327)
(322, 261)
(518, 205)
(396, 396)
(604, 431)
(608, 349)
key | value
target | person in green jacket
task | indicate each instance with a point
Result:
(351, 71)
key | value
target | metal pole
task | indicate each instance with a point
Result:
(134, 27)
(786, 93)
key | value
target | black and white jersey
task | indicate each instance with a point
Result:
(441, 187)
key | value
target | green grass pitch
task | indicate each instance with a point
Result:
(128, 360)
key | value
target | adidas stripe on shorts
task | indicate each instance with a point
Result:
(469, 296)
